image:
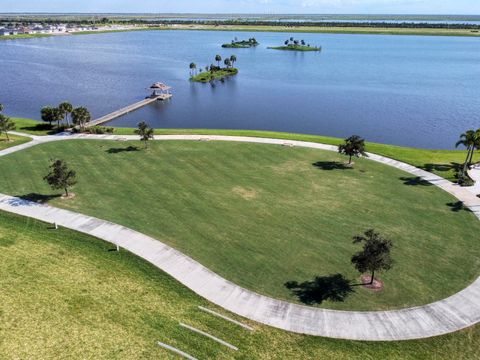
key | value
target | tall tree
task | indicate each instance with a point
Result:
(47, 114)
(57, 115)
(218, 58)
(227, 63)
(471, 140)
(66, 108)
(60, 176)
(193, 66)
(145, 132)
(353, 146)
(375, 255)
(233, 59)
(81, 116)
(6, 125)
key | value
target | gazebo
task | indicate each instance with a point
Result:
(160, 89)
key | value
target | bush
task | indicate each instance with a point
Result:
(99, 130)
(464, 180)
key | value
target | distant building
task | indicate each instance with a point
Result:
(8, 32)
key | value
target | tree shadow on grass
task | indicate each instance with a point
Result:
(331, 165)
(38, 198)
(415, 181)
(442, 167)
(458, 206)
(40, 127)
(334, 288)
(120, 150)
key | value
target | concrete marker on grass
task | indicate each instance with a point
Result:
(220, 341)
(175, 350)
(225, 318)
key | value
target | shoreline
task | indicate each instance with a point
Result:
(273, 28)
(419, 157)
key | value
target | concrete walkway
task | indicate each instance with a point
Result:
(454, 313)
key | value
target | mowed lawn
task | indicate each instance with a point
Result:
(65, 295)
(14, 140)
(263, 215)
(444, 163)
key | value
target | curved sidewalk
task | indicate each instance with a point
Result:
(451, 314)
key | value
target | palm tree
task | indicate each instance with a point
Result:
(66, 108)
(218, 58)
(291, 39)
(145, 132)
(302, 42)
(233, 59)
(193, 67)
(80, 116)
(6, 125)
(353, 146)
(227, 63)
(57, 115)
(471, 140)
(286, 42)
(47, 114)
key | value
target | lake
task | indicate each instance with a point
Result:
(407, 90)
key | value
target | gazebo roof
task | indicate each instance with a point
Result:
(160, 86)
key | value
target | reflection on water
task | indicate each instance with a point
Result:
(407, 90)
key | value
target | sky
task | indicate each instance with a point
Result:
(457, 7)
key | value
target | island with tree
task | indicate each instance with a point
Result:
(242, 44)
(296, 45)
(214, 72)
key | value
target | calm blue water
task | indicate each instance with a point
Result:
(405, 90)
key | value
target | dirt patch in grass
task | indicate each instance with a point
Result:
(247, 194)
(377, 284)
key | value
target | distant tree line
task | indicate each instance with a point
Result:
(368, 24)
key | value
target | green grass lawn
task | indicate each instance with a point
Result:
(207, 76)
(24, 36)
(331, 30)
(14, 141)
(440, 162)
(262, 215)
(296, 48)
(65, 295)
(33, 127)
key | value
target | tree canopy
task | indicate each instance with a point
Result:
(353, 146)
(60, 176)
(375, 255)
(145, 132)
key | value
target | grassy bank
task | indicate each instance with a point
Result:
(440, 162)
(24, 36)
(241, 44)
(332, 30)
(106, 31)
(79, 300)
(286, 29)
(296, 48)
(263, 215)
(14, 141)
(207, 76)
(33, 127)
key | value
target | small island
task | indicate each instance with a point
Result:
(243, 44)
(296, 45)
(214, 72)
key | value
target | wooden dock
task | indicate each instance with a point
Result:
(128, 109)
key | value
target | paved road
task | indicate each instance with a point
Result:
(454, 313)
